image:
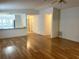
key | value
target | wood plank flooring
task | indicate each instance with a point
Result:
(36, 46)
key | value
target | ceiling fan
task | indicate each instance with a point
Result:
(60, 1)
(57, 1)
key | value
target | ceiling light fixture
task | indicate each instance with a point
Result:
(59, 3)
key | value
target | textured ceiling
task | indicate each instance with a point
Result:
(33, 4)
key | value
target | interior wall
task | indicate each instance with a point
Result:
(37, 23)
(18, 21)
(12, 33)
(45, 21)
(51, 21)
(21, 20)
(48, 23)
(40, 24)
(56, 22)
(70, 23)
(32, 21)
(24, 20)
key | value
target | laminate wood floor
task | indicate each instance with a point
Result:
(35, 46)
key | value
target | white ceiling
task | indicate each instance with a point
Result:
(32, 4)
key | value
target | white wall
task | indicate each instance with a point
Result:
(48, 22)
(32, 21)
(37, 21)
(70, 23)
(40, 25)
(12, 33)
(42, 21)
(24, 20)
(20, 20)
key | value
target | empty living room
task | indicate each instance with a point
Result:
(39, 29)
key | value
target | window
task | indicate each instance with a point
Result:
(6, 21)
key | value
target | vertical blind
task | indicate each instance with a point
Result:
(7, 21)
